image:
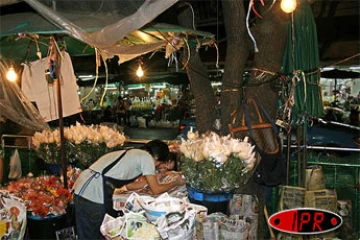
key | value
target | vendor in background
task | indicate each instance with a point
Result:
(128, 107)
(184, 104)
(120, 110)
(94, 187)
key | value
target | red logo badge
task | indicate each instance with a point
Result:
(305, 221)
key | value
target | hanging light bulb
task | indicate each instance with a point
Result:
(288, 6)
(139, 72)
(11, 74)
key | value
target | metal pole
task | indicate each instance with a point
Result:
(288, 139)
(298, 132)
(57, 61)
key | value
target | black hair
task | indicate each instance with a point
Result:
(158, 149)
(173, 156)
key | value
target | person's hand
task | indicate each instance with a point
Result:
(180, 180)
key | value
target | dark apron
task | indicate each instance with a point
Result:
(109, 185)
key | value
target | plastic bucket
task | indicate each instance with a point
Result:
(213, 201)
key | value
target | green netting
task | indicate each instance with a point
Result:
(301, 57)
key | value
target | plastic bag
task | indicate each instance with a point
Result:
(15, 171)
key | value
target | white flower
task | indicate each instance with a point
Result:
(191, 135)
(212, 146)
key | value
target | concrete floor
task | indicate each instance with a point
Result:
(151, 133)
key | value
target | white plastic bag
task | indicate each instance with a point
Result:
(15, 171)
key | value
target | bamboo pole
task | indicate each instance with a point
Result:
(272, 234)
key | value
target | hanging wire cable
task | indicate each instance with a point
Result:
(217, 34)
(217, 56)
(248, 27)
(344, 60)
(193, 13)
(106, 82)
(96, 76)
(188, 57)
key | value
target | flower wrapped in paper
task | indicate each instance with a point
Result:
(47, 145)
(12, 216)
(216, 163)
(84, 143)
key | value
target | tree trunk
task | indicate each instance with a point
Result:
(199, 81)
(237, 54)
(270, 34)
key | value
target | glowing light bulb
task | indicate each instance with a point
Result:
(11, 75)
(140, 72)
(288, 6)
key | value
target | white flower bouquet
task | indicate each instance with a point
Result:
(216, 163)
(85, 143)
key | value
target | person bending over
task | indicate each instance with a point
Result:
(93, 189)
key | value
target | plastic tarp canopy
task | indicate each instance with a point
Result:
(115, 28)
(302, 54)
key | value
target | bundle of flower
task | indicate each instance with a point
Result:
(43, 196)
(72, 174)
(216, 163)
(86, 143)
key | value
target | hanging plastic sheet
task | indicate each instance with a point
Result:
(14, 105)
(106, 39)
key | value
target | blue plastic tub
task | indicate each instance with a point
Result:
(213, 201)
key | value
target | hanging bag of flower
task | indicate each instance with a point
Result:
(216, 163)
(13, 216)
(260, 128)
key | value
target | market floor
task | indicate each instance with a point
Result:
(151, 133)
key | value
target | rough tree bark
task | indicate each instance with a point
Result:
(270, 33)
(199, 81)
(237, 54)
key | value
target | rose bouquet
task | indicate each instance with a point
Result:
(85, 143)
(216, 163)
(43, 196)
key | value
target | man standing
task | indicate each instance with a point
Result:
(121, 111)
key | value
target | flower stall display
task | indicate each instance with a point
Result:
(43, 196)
(85, 143)
(216, 163)
(12, 216)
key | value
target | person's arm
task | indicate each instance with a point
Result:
(157, 188)
(136, 185)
